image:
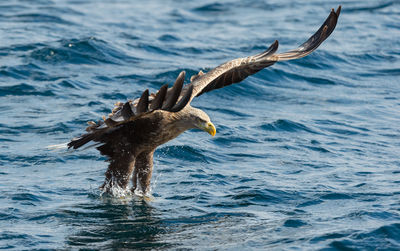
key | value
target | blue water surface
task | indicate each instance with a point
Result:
(306, 155)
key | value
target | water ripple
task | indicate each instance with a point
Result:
(286, 125)
(23, 90)
(80, 51)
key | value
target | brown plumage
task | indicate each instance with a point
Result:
(132, 132)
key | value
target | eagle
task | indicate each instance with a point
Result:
(130, 134)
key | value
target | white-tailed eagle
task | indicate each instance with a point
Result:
(132, 132)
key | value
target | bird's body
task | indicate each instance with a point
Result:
(132, 132)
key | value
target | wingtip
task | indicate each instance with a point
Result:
(273, 48)
(180, 79)
(270, 51)
(315, 40)
(143, 104)
(338, 10)
(173, 94)
(183, 101)
(275, 45)
(126, 111)
(182, 74)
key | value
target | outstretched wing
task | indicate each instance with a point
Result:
(238, 69)
(127, 115)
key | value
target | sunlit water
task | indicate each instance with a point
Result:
(306, 154)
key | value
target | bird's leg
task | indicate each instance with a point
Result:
(118, 173)
(134, 180)
(143, 170)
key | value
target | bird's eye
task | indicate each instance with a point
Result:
(199, 120)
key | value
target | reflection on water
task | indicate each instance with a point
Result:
(114, 223)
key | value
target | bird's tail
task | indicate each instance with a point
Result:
(82, 140)
(57, 147)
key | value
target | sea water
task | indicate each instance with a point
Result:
(306, 154)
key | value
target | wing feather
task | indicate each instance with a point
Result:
(183, 101)
(174, 93)
(238, 69)
(143, 104)
(126, 111)
(159, 99)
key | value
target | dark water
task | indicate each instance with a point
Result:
(306, 154)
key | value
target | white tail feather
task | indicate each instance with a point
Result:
(57, 147)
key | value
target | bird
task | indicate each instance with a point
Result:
(133, 130)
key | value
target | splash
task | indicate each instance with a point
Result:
(113, 190)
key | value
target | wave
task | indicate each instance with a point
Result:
(81, 51)
(286, 125)
(362, 7)
(183, 153)
(28, 71)
(36, 18)
(385, 237)
(24, 90)
(212, 7)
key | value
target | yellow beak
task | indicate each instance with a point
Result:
(210, 128)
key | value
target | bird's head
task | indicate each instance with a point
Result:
(206, 125)
(201, 120)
